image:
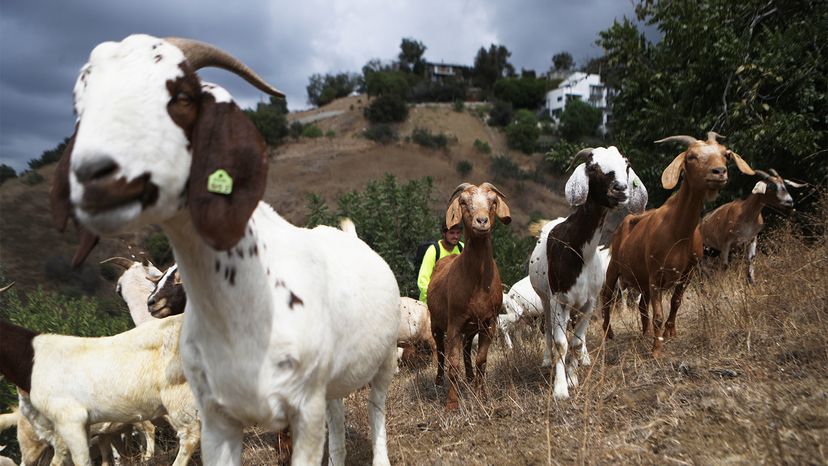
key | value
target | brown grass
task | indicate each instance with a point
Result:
(744, 382)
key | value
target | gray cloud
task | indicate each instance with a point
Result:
(43, 44)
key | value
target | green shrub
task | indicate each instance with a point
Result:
(382, 133)
(6, 173)
(482, 146)
(271, 120)
(504, 168)
(424, 138)
(559, 156)
(159, 249)
(32, 178)
(459, 106)
(311, 131)
(387, 109)
(296, 129)
(330, 134)
(464, 167)
(522, 134)
(501, 114)
(579, 120)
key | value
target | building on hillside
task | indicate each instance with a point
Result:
(580, 86)
(438, 72)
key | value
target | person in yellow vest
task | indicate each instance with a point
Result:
(448, 245)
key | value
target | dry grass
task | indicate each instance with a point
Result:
(744, 382)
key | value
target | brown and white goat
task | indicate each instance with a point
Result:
(658, 250)
(739, 222)
(565, 268)
(465, 292)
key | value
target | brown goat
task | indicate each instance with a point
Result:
(659, 249)
(739, 222)
(465, 292)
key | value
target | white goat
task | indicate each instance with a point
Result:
(134, 286)
(520, 305)
(415, 327)
(565, 270)
(281, 322)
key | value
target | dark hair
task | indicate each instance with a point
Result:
(444, 228)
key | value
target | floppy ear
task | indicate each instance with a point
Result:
(503, 211)
(670, 176)
(453, 214)
(225, 139)
(760, 188)
(577, 186)
(741, 164)
(62, 207)
(638, 194)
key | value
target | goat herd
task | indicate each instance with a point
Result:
(283, 322)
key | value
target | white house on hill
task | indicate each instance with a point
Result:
(579, 86)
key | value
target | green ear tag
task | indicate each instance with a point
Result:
(636, 183)
(220, 182)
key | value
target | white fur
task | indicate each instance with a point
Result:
(309, 319)
(581, 298)
(130, 377)
(135, 286)
(520, 304)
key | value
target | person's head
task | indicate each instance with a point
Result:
(451, 235)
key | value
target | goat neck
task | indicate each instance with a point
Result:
(750, 208)
(16, 354)
(685, 207)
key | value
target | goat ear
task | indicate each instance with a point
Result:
(577, 186)
(225, 144)
(62, 207)
(638, 193)
(453, 214)
(503, 212)
(670, 176)
(740, 163)
(794, 184)
(760, 188)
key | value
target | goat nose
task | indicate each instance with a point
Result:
(151, 301)
(96, 169)
(618, 186)
(719, 170)
(482, 221)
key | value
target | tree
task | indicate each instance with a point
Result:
(270, 120)
(758, 76)
(563, 61)
(579, 120)
(528, 93)
(49, 156)
(6, 172)
(411, 57)
(491, 65)
(325, 89)
(522, 134)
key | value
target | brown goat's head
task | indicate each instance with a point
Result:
(168, 298)
(773, 191)
(477, 207)
(704, 164)
(153, 140)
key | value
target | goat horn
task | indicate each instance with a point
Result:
(682, 139)
(713, 136)
(493, 188)
(459, 189)
(6, 287)
(774, 173)
(761, 174)
(200, 55)
(122, 261)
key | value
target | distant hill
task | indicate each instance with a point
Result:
(33, 253)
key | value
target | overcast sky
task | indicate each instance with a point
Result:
(43, 44)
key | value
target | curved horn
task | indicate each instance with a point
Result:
(713, 136)
(493, 188)
(681, 139)
(200, 54)
(582, 154)
(761, 174)
(6, 287)
(774, 173)
(459, 189)
(122, 261)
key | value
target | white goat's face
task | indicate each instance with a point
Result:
(609, 178)
(151, 139)
(125, 133)
(168, 297)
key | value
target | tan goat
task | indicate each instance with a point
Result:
(739, 222)
(465, 293)
(658, 249)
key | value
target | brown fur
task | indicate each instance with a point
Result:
(465, 293)
(659, 249)
(17, 354)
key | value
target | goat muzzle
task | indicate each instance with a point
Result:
(105, 194)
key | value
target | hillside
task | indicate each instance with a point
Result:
(33, 253)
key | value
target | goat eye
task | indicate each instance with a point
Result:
(182, 99)
(691, 157)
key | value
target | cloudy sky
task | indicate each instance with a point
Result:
(44, 43)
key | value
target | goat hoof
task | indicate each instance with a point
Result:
(438, 381)
(669, 332)
(561, 393)
(609, 335)
(546, 364)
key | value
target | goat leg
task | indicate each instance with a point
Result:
(643, 309)
(453, 342)
(658, 320)
(468, 341)
(440, 344)
(484, 341)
